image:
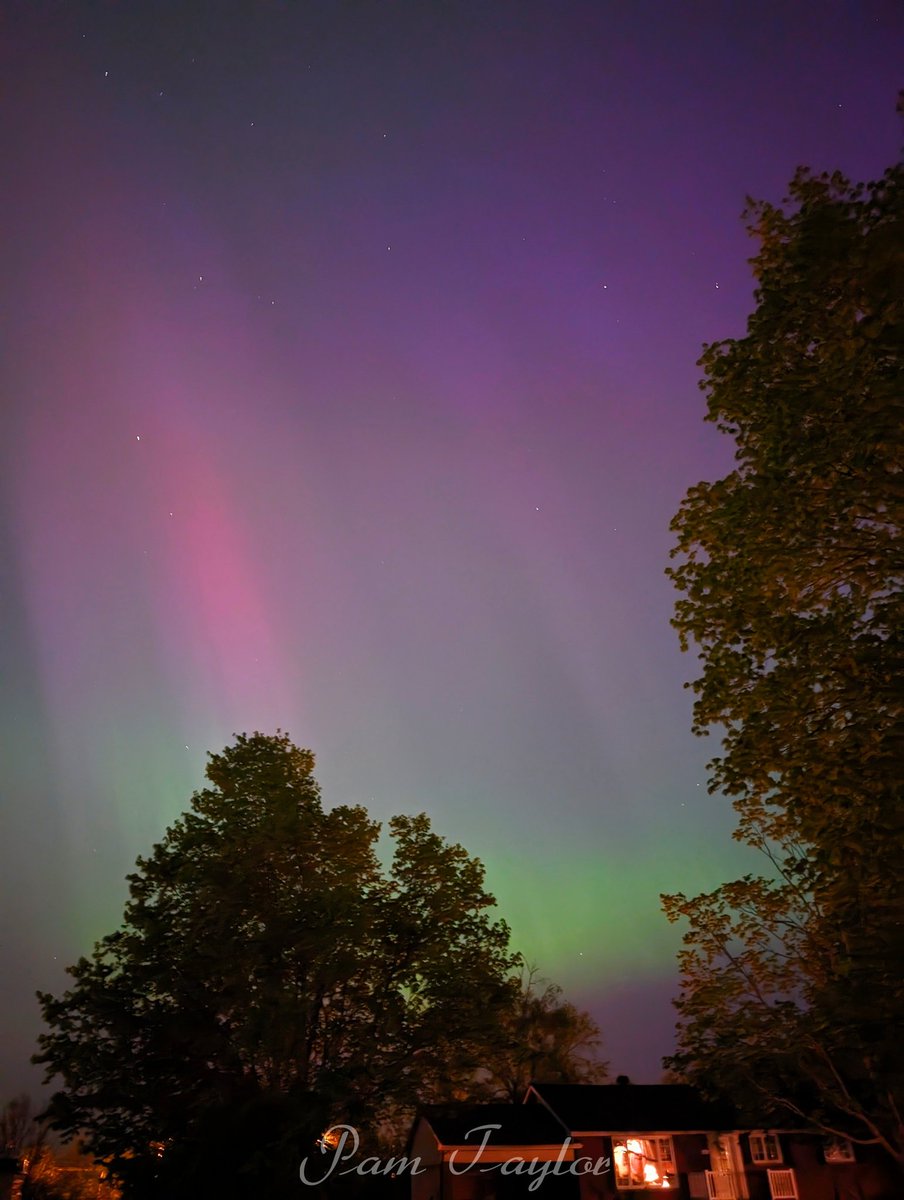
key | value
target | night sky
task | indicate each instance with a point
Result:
(349, 387)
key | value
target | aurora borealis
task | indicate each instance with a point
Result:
(349, 388)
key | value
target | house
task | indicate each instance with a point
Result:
(605, 1141)
(666, 1137)
(491, 1152)
(659, 1137)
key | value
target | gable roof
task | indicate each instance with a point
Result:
(519, 1124)
(632, 1107)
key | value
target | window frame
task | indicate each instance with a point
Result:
(764, 1138)
(838, 1150)
(664, 1163)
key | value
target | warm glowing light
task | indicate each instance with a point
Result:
(640, 1162)
(329, 1139)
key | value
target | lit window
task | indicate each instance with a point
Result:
(644, 1162)
(837, 1149)
(764, 1148)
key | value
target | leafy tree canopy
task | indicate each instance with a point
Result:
(790, 571)
(542, 1038)
(269, 978)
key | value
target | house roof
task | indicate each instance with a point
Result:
(633, 1107)
(519, 1124)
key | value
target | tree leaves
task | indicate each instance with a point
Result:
(541, 1038)
(267, 963)
(790, 574)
